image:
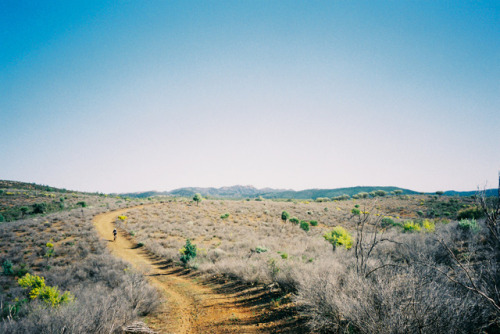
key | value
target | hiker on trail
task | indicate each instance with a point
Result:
(114, 234)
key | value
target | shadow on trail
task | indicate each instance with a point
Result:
(275, 312)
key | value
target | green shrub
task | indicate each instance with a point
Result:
(468, 225)
(304, 225)
(284, 216)
(197, 198)
(428, 225)
(386, 221)
(470, 213)
(2, 218)
(294, 220)
(224, 216)
(52, 296)
(363, 195)
(411, 226)
(339, 237)
(39, 207)
(420, 213)
(188, 252)
(397, 192)
(7, 268)
(313, 222)
(355, 212)
(284, 256)
(380, 193)
(343, 197)
(260, 249)
(82, 204)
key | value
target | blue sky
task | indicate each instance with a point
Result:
(138, 95)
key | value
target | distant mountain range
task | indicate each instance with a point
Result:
(252, 192)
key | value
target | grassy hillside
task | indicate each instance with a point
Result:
(60, 245)
(405, 245)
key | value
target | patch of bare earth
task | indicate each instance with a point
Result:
(199, 305)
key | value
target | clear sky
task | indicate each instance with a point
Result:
(124, 96)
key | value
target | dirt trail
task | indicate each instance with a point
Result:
(191, 307)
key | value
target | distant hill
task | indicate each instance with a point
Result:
(251, 192)
(488, 192)
(223, 192)
(315, 193)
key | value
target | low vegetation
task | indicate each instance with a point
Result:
(57, 274)
(380, 263)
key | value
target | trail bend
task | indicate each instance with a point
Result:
(190, 307)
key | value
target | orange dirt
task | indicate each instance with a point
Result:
(191, 306)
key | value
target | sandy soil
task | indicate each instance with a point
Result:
(192, 306)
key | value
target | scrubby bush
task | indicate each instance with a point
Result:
(83, 204)
(294, 220)
(188, 252)
(428, 225)
(304, 225)
(470, 213)
(343, 197)
(35, 285)
(355, 211)
(260, 249)
(197, 198)
(380, 193)
(224, 216)
(410, 226)
(339, 237)
(313, 222)
(39, 207)
(7, 268)
(387, 221)
(284, 216)
(468, 225)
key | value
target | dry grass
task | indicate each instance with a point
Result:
(108, 294)
(404, 290)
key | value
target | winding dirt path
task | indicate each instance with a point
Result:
(191, 306)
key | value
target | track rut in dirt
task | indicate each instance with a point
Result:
(195, 305)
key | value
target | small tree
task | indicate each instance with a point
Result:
(188, 252)
(339, 237)
(284, 216)
(24, 210)
(197, 198)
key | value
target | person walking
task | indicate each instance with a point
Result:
(114, 234)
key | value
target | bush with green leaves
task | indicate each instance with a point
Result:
(35, 285)
(224, 216)
(197, 198)
(188, 252)
(355, 211)
(380, 193)
(294, 220)
(260, 249)
(470, 213)
(387, 221)
(343, 197)
(313, 222)
(304, 225)
(83, 204)
(39, 207)
(411, 226)
(428, 225)
(339, 236)
(7, 268)
(284, 216)
(468, 225)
